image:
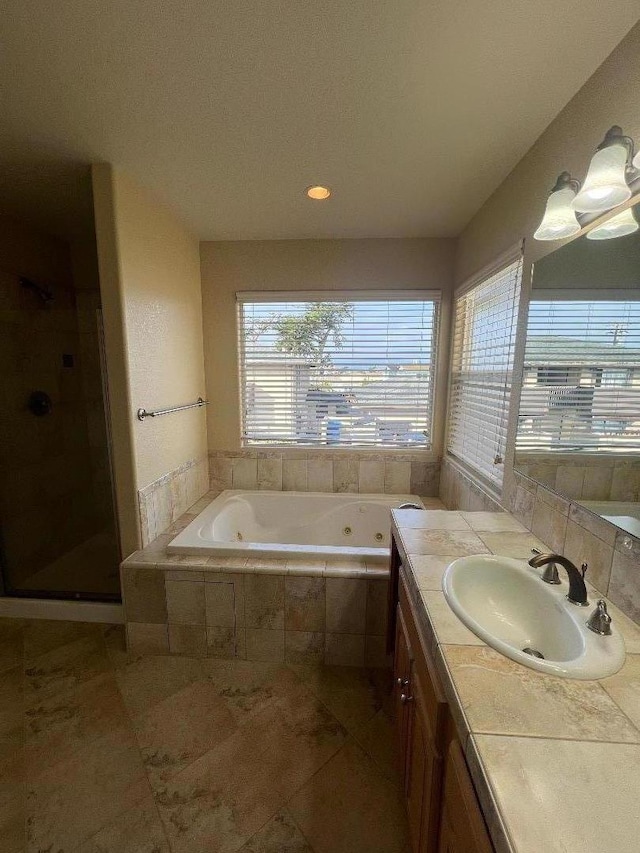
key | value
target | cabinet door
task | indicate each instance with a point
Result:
(401, 676)
(423, 774)
(462, 827)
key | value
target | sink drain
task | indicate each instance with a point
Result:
(533, 652)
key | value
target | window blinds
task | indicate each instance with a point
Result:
(581, 380)
(485, 322)
(357, 370)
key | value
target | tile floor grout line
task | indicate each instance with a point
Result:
(298, 827)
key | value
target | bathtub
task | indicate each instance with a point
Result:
(292, 524)
(623, 514)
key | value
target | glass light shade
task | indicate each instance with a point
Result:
(605, 185)
(559, 218)
(619, 225)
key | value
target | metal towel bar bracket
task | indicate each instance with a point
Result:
(143, 413)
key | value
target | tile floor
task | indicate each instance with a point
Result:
(105, 752)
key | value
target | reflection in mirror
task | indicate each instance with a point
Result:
(579, 417)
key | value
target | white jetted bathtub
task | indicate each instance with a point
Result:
(292, 524)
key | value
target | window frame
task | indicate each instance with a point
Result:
(309, 296)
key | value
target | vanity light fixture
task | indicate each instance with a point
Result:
(559, 220)
(318, 192)
(618, 226)
(606, 183)
(611, 171)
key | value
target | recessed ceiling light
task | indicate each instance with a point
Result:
(318, 193)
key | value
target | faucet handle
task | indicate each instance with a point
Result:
(600, 622)
(583, 569)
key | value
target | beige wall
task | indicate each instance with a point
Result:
(301, 265)
(514, 211)
(150, 282)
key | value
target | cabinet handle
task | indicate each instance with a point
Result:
(402, 682)
(405, 699)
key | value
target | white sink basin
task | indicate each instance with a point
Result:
(506, 604)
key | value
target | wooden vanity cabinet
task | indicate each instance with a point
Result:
(443, 812)
(462, 827)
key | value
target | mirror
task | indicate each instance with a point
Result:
(579, 418)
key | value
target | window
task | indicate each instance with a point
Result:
(589, 350)
(357, 370)
(485, 320)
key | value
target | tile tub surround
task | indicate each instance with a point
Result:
(587, 477)
(529, 738)
(298, 611)
(162, 502)
(276, 612)
(393, 472)
(102, 751)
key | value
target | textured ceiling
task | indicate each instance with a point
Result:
(413, 111)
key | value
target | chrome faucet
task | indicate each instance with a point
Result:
(577, 589)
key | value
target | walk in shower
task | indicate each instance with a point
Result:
(57, 523)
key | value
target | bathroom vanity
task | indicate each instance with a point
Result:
(443, 810)
(490, 750)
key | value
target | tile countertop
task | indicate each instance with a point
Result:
(555, 761)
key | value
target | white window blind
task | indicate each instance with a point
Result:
(481, 373)
(355, 370)
(581, 381)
